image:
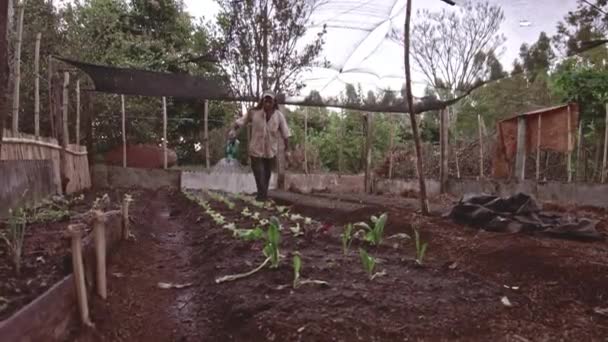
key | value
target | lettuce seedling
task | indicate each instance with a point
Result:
(374, 235)
(347, 238)
(273, 238)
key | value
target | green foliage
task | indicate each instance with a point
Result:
(273, 239)
(347, 238)
(368, 262)
(420, 248)
(14, 235)
(249, 234)
(297, 266)
(374, 234)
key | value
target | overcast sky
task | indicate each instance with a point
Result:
(525, 19)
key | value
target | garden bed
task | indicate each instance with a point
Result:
(472, 285)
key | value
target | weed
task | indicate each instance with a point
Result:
(347, 238)
(374, 235)
(15, 235)
(420, 248)
(273, 238)
(297, 266)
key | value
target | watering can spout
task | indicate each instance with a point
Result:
(232, 149)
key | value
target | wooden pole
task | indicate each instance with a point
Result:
(579, 152)
(520, 158)
(51, 98)
(124, 131)
(391, 147)
(341, 124)
(75, 231)
(99, 231)
(569, 153)
(125, 217)
(306, 140)
(65, 106)
(37, 86)
(424, 205)
(17, 84)
(605, 160)
(368, 152)
(206, 134)
(480, 124)
(5, 9)
(444, 149)
(165, 132)
(77, 112)
(538, 141)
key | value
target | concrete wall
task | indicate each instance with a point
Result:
(228, 182)
(405, 187)
(115, 176)
(24, 182)
(303, 183)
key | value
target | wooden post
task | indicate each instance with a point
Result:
(165, 132)
(17, 84)
(75, 231)
(99, 231)
(206, 134)
(306, 140)
(341, 124)
(125, 217)
(77, 129)
(391, 147)
(124, 131)
(443, 147)
(37, 86)
(65, 106)
(480, 124)
(51, 98)
(570, 148)
(5, 9)
(368, 152)
(538, 141)
(605, 160)
(579, 152)
(520, 158)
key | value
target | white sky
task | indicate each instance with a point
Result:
(542, 14)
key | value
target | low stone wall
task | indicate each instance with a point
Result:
(24, 182)
(303, 183)
(49, 317)
(150, 179)
(405, 187)
(229, 182)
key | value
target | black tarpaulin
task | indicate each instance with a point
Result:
(520, 213)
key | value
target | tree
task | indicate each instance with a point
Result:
(258, 40)
(538, 57)
(452, 48)
(588, 23)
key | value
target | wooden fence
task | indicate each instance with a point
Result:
(22, 146)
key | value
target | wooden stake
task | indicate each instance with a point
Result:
(368, 152)
(206, 134)
(306, 140)
(391, 147)
(124, 131)
(37, 86)
(75, 231)
(444, 149)
(569, 153)
(17, 84)
(51, 104)
(605, 160)
(99, 231)
(520, 157)
(65, 106)
(480, 124)
(126, 229)
(77, 112)
(341, 130)
(165, 132)
(579, 152)
(538, 141)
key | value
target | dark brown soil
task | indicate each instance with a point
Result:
(45, 260)
(553, 285)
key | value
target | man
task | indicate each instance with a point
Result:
(268, 125)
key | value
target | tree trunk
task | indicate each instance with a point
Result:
(17, 85)
(410, 103)
(37, 86)
(4, 67)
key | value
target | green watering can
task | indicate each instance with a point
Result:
(231, 149)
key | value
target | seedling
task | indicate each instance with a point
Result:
(347, 238)
(296, 230)
(297, 266)
(230, 226)
(368, 262)
(246, 212)
(273, 238)
(374, 235)
(263, 222)
(14, 236)
(420, 248)
(256, 216)
(249, 234)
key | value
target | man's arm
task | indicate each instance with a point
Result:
(285, 132)
(238, 124)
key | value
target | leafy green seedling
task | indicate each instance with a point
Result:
(273, 238)
(249, 234)
(374, 235)
(347, 238)
(420, 248)
(368, 262)
(297, 266)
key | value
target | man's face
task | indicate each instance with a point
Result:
(268, 103)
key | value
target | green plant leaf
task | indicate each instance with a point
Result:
(297, 266)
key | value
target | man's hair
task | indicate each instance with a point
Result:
(260, 104)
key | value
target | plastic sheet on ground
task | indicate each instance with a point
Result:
(520, 213)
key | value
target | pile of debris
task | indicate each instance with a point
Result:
(520, 213)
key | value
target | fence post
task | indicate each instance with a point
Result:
(164, 132)
(570, 147)
(75, 231)
(206, 133)
(368, 152)
(579, 152)
(538, 141)
(17, 84)
(65, 141)
(37, 86)
(443, 149)
(605, 160)
(480, 124)
(51, 103)
(99, 231)
(520, 158)
(124, 131)
(78, 112)
(391, 147)
(306, 140)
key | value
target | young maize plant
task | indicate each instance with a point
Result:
(374, 235)
(273, 238)
(420, 248)
(15, 235)
(347, 238)
(249, 234)
(297, 265)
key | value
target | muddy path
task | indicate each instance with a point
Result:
(552, 285)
